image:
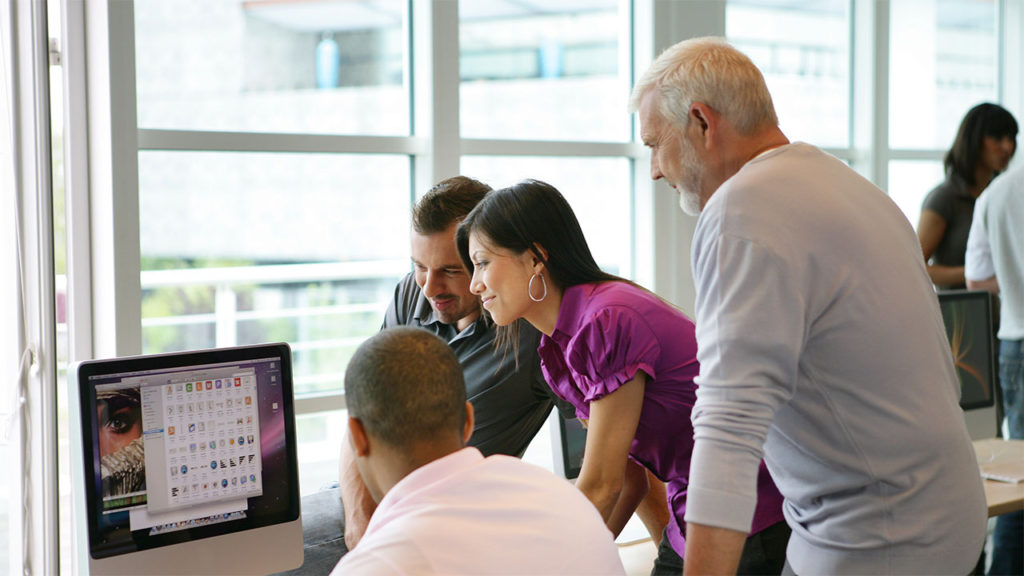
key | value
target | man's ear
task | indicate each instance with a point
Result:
(704, 119)
(467, 429)
(357, 436)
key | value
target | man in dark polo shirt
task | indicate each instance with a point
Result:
(510, 398)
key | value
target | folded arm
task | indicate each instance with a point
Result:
(355, 497)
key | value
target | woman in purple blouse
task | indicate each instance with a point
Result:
(622, 356)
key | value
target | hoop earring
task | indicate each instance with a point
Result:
(529, 288)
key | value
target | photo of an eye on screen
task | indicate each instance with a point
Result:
(122, 452)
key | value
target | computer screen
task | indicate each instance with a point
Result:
(967, 315)
(568, 439)
(180, 451)
(968, 319)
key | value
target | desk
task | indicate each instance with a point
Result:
(1002, 497)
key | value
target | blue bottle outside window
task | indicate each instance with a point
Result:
(327, 62)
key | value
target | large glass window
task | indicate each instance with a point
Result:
(241, 248)
(541, 70)
(597, 189)
(909, 183)
(943, 60)
(803, 50)
(331, 66)
(245, 247)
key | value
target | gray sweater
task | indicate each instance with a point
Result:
(820, 341)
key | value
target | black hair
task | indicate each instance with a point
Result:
(531, 215)
(406, 386)
(985, 119)
(450, 200)
(528, 216)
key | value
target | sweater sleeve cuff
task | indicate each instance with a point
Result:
(720, 509)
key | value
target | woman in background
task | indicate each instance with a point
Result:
(621, 355)
(984, 145)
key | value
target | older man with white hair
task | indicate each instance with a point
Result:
(819, 337)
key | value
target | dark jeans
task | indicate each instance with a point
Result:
(323, 533)
(1008, 536)
(763, 553)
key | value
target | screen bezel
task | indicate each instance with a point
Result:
(285, 513)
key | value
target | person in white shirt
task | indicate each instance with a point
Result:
(819, 337)
(995, 262)
(442, 508)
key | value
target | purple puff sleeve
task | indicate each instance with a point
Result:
(608, 350)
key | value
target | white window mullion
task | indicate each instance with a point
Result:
(435, 98)
(1011, 78)
(551, 148)
(113, 178)
(76, 182)
(195, 140)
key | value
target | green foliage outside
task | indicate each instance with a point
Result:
(323, 339)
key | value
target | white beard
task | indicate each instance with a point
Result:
(689, 203)
(691, 179)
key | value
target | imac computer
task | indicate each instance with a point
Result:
(967, 315)
(185, 463)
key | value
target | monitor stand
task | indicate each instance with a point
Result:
(981, 423)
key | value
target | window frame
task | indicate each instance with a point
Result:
(434, 150)
(102, 142)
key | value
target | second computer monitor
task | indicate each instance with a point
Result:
(967, 315)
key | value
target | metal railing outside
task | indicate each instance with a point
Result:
(226, 316)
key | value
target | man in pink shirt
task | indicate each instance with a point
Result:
(442, 508)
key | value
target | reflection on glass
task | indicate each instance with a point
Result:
(910, 181)
(598, 189)
(943, 61)
(269, 66)
(246, 248)
(804, 53)
(543, 70)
